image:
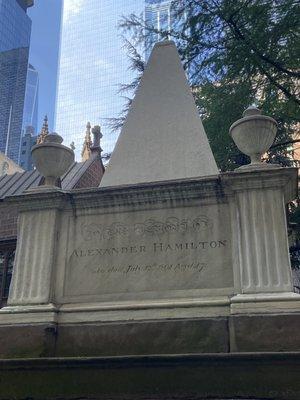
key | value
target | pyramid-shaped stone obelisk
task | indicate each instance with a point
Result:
(163, 137)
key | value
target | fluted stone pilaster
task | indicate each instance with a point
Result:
(263, 247)
(260, 199)
(32, 277)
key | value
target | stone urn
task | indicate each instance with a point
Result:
(253, 135)
(52, 159)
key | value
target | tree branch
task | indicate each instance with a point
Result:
(279, 86)
(284, 143)
(275, 64)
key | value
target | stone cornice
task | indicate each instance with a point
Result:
(181, 192)
(37, 200)
(158, 193)
(138, 195)
(285, 178)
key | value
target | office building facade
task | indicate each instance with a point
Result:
(158, 15)
(30, 115)
(30, 119)
(93, 63)
(29, 139)
(15, 29)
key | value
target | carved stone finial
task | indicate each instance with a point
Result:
(251, 110)
(97, 135)
(44, 132)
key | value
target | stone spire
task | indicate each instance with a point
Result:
(87, 144)
(163, 137)
(44, 131)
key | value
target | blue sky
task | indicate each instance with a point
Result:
(44, 48)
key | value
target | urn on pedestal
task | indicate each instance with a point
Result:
(52, 159)
(253, 135)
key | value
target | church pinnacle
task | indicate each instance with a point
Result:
(44, 131)
(86, 150)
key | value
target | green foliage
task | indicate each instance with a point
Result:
(236, 53)
(294, 232)
(221, 105)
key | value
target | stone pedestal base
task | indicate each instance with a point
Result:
(254, 323)
(223, 334)
(265, 303)
(248, 346)
(149, 310)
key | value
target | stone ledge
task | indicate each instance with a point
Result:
(285, 178)
(265, 303)
(181, 376)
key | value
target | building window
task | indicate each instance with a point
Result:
(7, 256)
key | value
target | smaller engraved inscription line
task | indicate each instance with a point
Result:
(148, 268)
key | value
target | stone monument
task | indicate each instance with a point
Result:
(167, 257)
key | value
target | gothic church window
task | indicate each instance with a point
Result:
(7, 256)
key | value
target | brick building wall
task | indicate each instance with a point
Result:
(9, 214)
(8, 222)
(92, 176)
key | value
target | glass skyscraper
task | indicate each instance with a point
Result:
(15, 28)
(30, 119)
(158, 15)
(93, 63)
(30, 115)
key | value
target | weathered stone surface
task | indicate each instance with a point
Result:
(275, 333)
(29, 341)
(138, 338)
(163, 137)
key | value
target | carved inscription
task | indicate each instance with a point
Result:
(135, 269)
(155, 248)
(132, 255)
